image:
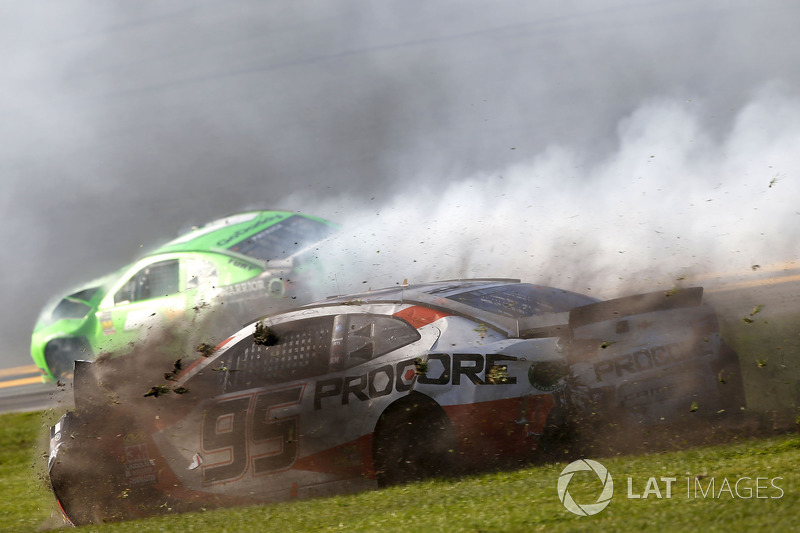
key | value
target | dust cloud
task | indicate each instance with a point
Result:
(674, 200)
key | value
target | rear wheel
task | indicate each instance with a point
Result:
(414, 440)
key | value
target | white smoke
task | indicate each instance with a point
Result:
(672, 200)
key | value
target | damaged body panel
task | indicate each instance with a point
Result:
(382, 388)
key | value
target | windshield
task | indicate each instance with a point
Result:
(70, 309)
(85, 294)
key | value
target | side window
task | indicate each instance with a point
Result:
(359, 338)
(296, 350)
(153, 281)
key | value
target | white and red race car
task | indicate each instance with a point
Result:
(381, 388)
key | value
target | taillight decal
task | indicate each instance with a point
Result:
(419, 316)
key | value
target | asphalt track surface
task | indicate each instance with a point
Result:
(774, 287)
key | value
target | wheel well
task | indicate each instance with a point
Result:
(414, 402)
(413, 440)
(61, 352)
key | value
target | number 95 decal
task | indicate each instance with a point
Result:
(241, 435)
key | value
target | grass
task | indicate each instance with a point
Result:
(523, 500)
(25, 499)
(526, 500)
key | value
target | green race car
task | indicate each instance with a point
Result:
(251, 262)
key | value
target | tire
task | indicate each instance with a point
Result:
(414, 440)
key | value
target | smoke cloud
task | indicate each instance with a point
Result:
(607, 147)
(671, 201)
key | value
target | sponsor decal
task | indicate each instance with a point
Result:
(256, 285)
(548, 376)
(139, 468)
(458, 367)
(380, 381)
(647, 359)
(107, 323)
(276, 288)
(440, 369)
(241, 264)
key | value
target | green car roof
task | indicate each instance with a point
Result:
(263, 235)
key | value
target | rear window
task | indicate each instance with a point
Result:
(521, 300)
(284, 239)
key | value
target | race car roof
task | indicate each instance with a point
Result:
(515, 308)
(263, 235)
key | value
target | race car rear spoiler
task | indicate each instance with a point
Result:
(675, 321)
(633, 305)
(565, 324)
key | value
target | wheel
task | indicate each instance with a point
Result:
(414, 440)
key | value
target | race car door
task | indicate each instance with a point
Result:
(150, 297)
